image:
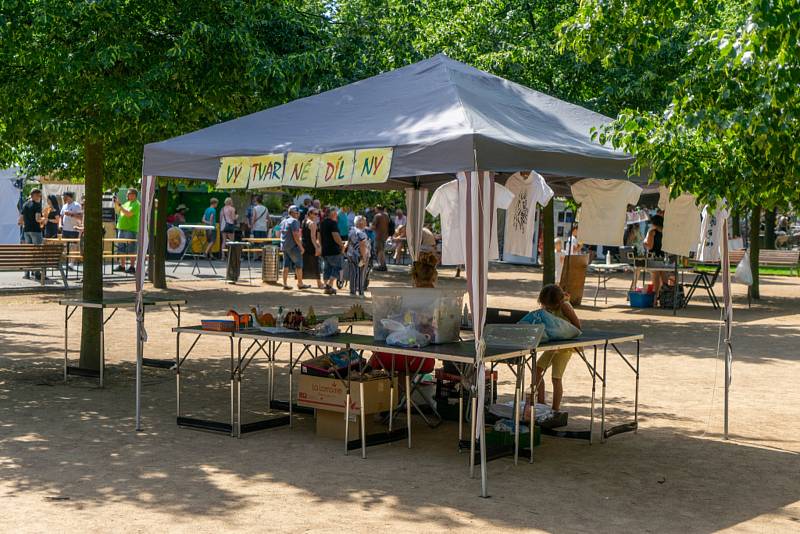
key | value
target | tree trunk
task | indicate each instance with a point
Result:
(158, 269)
(755, 246)
(548, 244)
(769, 228)
(736, 223)
(92, 255)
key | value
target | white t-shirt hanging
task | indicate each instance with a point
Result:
(604, 207)
(682, 220)
(521, 217)
(449, 202)
(708, 249)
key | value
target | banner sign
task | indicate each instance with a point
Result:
(266, 171)
(301, 170)
(233, 173)
(336, 168)
(372, 166)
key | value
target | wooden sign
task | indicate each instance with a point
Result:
(266, 171)
(336, 168)
(233, 173)
(301, 170)
(372, 166)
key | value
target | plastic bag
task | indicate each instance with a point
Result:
(404, 335)
(743, 274)
(554, 327)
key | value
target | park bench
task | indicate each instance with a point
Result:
(771, 258)
(33, 258)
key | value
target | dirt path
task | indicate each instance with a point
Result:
(70, 461)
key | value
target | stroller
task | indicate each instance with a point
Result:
(344, 275)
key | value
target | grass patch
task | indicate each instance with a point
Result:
(765, 271)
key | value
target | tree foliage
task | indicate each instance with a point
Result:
(128, 72)
(729, 123)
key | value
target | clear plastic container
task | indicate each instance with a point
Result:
(513, 336)
(436, 312)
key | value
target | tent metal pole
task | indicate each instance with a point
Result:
(728, 307)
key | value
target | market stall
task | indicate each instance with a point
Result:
(414, 128)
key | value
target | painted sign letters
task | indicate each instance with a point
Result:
(266, 171)
(233, 173)
(372, 166)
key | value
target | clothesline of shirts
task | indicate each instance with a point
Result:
(604, 214)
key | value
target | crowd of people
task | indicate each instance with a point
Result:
(319, 243)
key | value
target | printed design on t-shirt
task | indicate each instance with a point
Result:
(521, 212)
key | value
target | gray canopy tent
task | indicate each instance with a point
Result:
(440, 117)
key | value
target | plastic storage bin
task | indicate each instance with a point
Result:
(436, 312)
(641, 300)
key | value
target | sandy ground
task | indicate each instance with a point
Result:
(70, 460)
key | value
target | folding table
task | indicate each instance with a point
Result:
(114, 304)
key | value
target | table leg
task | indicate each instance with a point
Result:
(239, 389)
(233, 385)
(291, 367)
(594, 388)
(178, 375)
(473, 407)
(636, 397)
(363, 420)
(102, 347)
(517, 395)
(347, 420)
(66, 341)
(460, 415)
(597, 289)
(408, 405)
(534, 385)
(603, 397)
(391, 396)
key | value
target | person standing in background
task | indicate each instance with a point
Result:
(292, 248)
(52, 216)
(259, 218)
(228, 222)
(304, 209)
(127, 228)
(380, 225)
(71, 217)
(358, 254)
(31, 221)
(332, 248)
(311, 247)
(210, 219)
(343, 222)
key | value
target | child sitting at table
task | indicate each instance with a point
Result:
(553, 299)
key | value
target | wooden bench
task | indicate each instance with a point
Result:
(771, 258)
(33, 258)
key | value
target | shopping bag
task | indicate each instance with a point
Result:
(743, 274)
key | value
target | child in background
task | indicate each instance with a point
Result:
(553, 299)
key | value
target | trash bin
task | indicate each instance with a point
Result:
(269, 265)
(234, 260)
(573, 276)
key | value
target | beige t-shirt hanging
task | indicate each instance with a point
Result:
(604, 206)
(682, 220)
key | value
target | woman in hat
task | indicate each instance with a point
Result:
(179, 217)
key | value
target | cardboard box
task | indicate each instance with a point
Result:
(331, 393)
(331, 425)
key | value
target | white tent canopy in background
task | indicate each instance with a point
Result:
(9, 214)
(440, 117)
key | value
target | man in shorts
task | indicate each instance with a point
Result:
(292, 248)
(127, 228)
(332, 247)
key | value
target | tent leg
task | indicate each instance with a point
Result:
(484, 476)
